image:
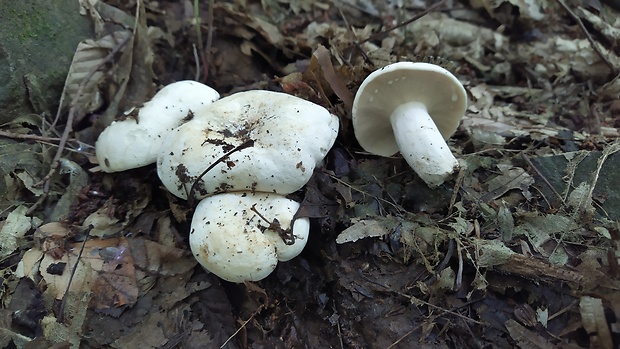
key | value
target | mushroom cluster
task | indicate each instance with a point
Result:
(242, 154)
(412, 108)
(244, 224)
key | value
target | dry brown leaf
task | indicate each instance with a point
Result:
(16, 225)
(160, 259)
(511, 178)
(89, 56)
(115, 285)
(324, 59)
(595, 323)
(362, 228)
(105, 269)
(525, 338)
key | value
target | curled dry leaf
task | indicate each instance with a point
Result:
(89, 56)
(324, 58)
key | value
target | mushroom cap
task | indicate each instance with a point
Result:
(403, 82)
(291, 137)
(136, 141)
(232, 241)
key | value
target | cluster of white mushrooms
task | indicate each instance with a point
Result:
(257, 146)
(240, 155)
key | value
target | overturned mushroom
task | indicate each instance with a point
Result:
(241, 236)
(290, 136)
(135, 141)
(412, 108)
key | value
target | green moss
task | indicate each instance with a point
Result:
(37, 39)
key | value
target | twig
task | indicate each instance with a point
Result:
(397, 207)
(197, 60)
(433, 317)
(338, 326)
(405, 23)
(45, 140)
(199, 39)
(209, 38)
(61, 311)
(239, 329)
(457, 187)
(192, 190)
(598, 52)
(28, 137)
(286, 235)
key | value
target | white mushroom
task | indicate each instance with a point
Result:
(412, 108)
(291, 136)
(232, 234)
(136, 140)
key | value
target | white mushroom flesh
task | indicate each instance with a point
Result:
(291, 137)
(230, 234)
(421, 144)
(136, 141)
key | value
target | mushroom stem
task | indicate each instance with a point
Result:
(421, 144)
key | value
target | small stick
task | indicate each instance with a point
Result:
(29, 137)
(61, 311)
(285, 234)
(209, 39)
(192, 190)
(405, 23)
(583, 28)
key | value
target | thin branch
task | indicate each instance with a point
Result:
(61, 311)
(396, 206)
(598, 52)
(239, 329)
(209, 39)
(194, 187)
(405, 23)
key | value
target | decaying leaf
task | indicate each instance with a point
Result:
(89, 57)
(511, 178)
(105, 268)
(540, 230)
(324, 59)
(16, 225)
(78, 179)
(362, 229)
(494, 254)
(103, 224)
(595, 323)
(526, 338)
(16, 157)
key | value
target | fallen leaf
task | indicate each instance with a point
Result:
(16, 225)
(595, 323)
(361, 229)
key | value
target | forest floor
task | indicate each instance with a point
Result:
(521, 249)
